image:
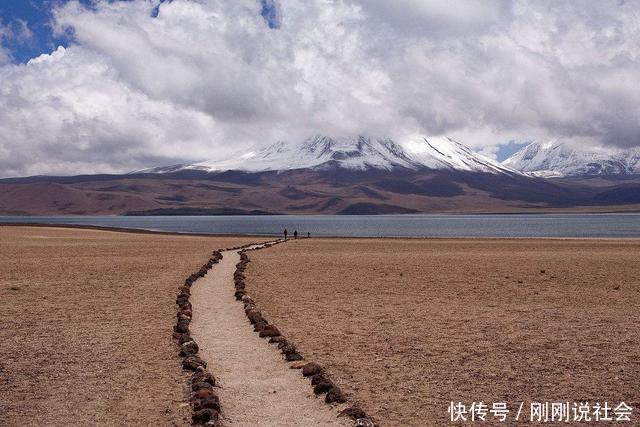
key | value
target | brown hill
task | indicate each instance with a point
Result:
(310, 192)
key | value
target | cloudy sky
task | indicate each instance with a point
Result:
(114, 86)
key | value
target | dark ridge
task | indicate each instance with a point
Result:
(522, 188)
(186, 211)
(294, 193)
(619, 196)
(334, 201)
(238, 177)
(433, 187)
(439, 186)
(375, 209)
(69, 179)
(174, 198)
(235, 177)
(435, 149)
(613, 177)
(344, 177)
(303, 207)
(371, 193)
(314, 191)
(122, 187)
(213, 187)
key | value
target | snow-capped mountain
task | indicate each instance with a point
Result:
(318, 152)
(360, 153)
(557, 159)
(446, 153)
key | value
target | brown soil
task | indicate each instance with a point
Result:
(86, 319)
(257, 387)
(406, 326)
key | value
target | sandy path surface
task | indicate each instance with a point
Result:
(257, 386)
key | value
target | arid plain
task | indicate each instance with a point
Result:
(86, 319)
(406, 326)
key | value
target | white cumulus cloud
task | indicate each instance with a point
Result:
(206, 77)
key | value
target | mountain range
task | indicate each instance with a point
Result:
(558, 159)
(361, 175)
(549, 160)
(361, 153)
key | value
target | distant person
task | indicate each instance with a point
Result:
(295, 235)
(285, 234)
(308, 235)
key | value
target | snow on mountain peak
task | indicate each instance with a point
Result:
(556, 158)
(321, 152)
(446, 153)
(317, 152)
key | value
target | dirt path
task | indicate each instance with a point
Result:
(257, 386)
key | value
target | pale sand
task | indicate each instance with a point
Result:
(257, 386)
(406, 325)
(86, 319)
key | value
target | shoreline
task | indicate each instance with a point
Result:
(633, 211)
(316, 237)
(126, 230)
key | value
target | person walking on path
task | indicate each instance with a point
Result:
(308, 235)
(295, 235)
(285, 234)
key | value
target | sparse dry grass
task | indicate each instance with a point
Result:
(85, 325)
(405, 326)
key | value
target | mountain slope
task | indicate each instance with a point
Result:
(307, 191)
(446, 153)
(360, 153)
(318, 152)
(557, 159)
(323, 175)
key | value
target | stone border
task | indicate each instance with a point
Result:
(204, 401)
(319, 377)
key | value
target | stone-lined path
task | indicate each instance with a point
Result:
(257, 387)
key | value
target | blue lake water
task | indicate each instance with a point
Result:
(528, 225)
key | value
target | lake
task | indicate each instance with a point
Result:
(509, 225)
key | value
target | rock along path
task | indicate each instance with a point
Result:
(257, 387)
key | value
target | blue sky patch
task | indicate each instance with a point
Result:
(271, 13)
(26, 32)
(507, 149)
(27, 28)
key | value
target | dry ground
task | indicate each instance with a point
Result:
(85, 325)
(257, 386)
(406, 326)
